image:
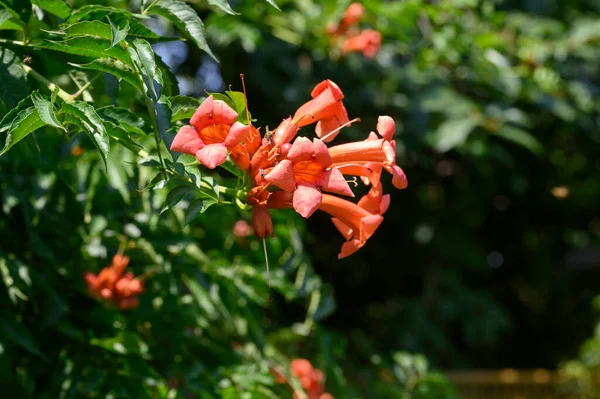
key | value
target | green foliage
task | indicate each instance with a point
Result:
(210, 323)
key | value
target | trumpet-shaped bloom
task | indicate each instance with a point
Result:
(352, 15)
(110, 284)
(368, 158)
(355, 223)
(211, 134)
(367, 42)
(306, 171)
(326, 108)
(261, 221)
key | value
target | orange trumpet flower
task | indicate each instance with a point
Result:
(211, 134)
(326, 108)
(306, 171)
(355, 223)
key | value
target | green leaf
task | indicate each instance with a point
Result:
(8, 119)
(6, 22)
(115, 67)
(13, 77)
(46, 110)
(94, 47)
(175, 196)
(97, 12)
(197, 207)
(25, 123)
(272, 2)
(120, 135)
(84, 116)
(213, 192)
(151, 160)
(521, 137)
(239, 106)
(124, 117)
(118, 34)
(21, 336)
(223, 5)
(185, 19)
(156, 183)
(453, 133)
(183, 107)
(142, 55)
(20, 9)
(56, 7)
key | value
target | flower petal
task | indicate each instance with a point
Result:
(282, 175)
(328, 125)
(336, 92)
(384, 204)
(368, 226)
(398, 176)
(350, 247)
(343, 228)
(306, 200)
(261, 221)
(285, 132)
(386, 127)
(212, 155)
(237, 133)
(212, 111)
(321, 153)
(334, 182)
(187, 141)
(301, 150)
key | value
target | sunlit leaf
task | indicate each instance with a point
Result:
(186, 19)
(45, 109)
(26, 122)
(84, 116)
(60, 8)
(118, 33)
(18, 8)
(13, 77)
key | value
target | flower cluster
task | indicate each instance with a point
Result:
(350, 38)
(285, 171)
(311, 379)
(111, 284)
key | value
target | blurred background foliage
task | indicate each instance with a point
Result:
(489, 259)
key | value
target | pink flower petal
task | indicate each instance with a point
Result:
(212, 111)
(343, 228)
(399, 179)
(306, 200)
(321, 153)
(328, 125)
(301, 150)
(187, 141)
(368, 226)
(386, 127)
(212, 155)
(385, 203)
(282, 175)
(237, 133)
(350, 247)
(336, 92)
(334, 182)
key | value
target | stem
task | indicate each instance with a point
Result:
(15, 42)
(145, 11)
(267, 263)
(51, 86)
(85, 86)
